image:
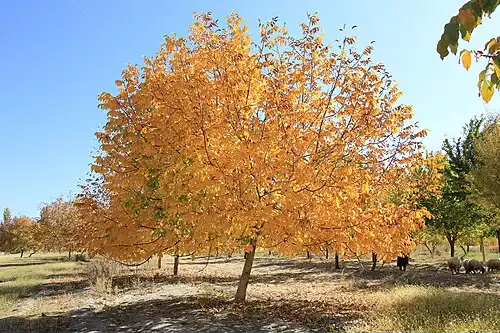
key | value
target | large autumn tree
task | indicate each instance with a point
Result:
(283, 142)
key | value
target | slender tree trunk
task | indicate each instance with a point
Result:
(326, 251)
(32, 253)
(428, 249)
(159, 260)
(481, 245)
(241, 293)
(176, 265)
(374, 260)
(69, 254)
(337, 262)
(498, 239)
(451, 241)
(22, 252)
(468, 248)
(308, 255)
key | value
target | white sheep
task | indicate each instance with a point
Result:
(493, 264)
(473, 266)
(454, 264)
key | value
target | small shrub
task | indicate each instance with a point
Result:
(81, 257)
(101, 273)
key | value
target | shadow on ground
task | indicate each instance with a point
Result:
(419, 274)
(193, 314)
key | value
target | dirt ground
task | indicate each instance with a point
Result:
(284, 295)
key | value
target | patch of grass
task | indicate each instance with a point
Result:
(431, 309)
(22, 277)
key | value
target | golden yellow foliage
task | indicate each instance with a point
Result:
(218, 140)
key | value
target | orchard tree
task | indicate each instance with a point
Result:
(454, 214)
(485, 176)
(6, 236)
(7, 217)
(218, 139)
(59, 226)
(25, 233)
(469, 17)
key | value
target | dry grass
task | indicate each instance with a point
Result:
(431, 309)
(22, 278)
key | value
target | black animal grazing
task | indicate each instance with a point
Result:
(402, 262)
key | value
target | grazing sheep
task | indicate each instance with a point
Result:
(454, 264)
(473, 266)
(402, 262)
(493, 264)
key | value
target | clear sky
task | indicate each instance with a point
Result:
(57, 56)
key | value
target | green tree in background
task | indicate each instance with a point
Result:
(485, 176)
(454, 215)
(7, 217)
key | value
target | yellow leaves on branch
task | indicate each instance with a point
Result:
(216, 140)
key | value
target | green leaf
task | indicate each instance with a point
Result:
(482, 77)
(451, 32)
(442, 48)
(496, 65)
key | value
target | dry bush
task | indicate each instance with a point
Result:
(101, 272)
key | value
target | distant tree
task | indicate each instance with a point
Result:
(7, 215)
(454, 214)
(25, 232)
(430, 238)
(485, 176)
(6, 236)
(59, 226)
(468, 18)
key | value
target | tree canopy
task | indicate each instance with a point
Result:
(285, 142)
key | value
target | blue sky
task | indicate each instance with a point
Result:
(57, 56)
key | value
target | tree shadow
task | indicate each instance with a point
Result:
(420, 276)
(24, 264)
(425, 274)
(130, 280)
(46, 289)
(194, 314)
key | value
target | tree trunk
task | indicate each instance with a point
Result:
(481, 245)
(245, 256)
(241, 293)
(308, 255)
(69, 254)
(159, 260)
(176, 265)
(337, 263)
(326, 251)
(32, 253)
(498, 239)
(468, 248)
(451, 241)
(374, 260)
(22, 252)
